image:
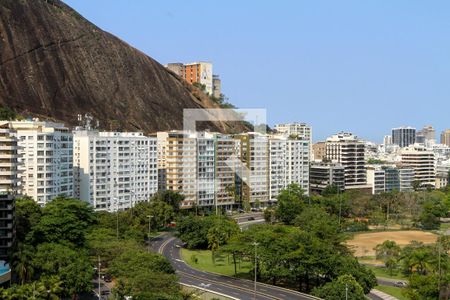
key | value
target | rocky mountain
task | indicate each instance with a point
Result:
(55, 64)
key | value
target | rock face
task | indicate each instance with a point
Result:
(55, 64)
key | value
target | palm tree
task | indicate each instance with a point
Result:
(53, 285)
(22, 264)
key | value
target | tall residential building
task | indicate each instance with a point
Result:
(254, 155)
(8, 187)
(387, 140)
(226, 162)
(45, 159)
(324, 174)
(426, 135)
(349, 151)
(319, 151)
(288, 163)
(423, 163)
(445, 137)
(403, 136)
(114, 170)
(178, 162)
(205, 169)
(196, 72)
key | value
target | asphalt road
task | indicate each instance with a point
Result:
(233, 287)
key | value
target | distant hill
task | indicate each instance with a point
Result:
(55, 64)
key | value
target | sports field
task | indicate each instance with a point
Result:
(364, 243)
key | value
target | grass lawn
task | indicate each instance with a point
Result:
(383, 272)
(223, 264)
(392, 290)
(445, 226)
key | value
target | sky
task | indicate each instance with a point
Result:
(348, 65)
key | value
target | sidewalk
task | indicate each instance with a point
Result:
(382, 295)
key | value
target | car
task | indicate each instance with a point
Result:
(251, 218)
(400, 284)
(105, 292)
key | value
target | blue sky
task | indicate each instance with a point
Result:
(360, 66)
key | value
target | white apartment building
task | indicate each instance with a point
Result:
(114, 170)
(423, 162)
(406, 176)
(376, 177)
(45, 159)
(302, 130)
(205, 169)
(349, 151)
(254, 154)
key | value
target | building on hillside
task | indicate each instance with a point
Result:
(8, 187)
(114, 170)
(403, 136)
(45, 159)
(349, 151)
(196, 72)
(325, 174)
(217, 87)
(423, 163)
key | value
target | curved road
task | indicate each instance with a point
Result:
(230, 286)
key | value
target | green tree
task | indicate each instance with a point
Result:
(389, 252)
(422, 287)
(344, 287)
(290, 203)
(64, 220)
(7, 114)
(28, 214)
(72, 266)
(22, 264)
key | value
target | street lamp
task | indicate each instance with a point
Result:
(149, 230)
(256, 266)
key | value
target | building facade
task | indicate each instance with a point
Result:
(196, 72)
(8, 187)
(45, 159)
(445, 137)
(325, 174)
(403, 136)
(114, 170)
(349, 151)
(422, 162)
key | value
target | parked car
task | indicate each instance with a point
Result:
(401, 284)
(107, 278)
(251, 219)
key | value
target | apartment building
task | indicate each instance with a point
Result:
(349, 151)
(423, 163)
(445, 137)
(45, 159)
(178, 163)
(383, 178)
(8, 187)
(254, 155)
(205, 169)
(406, 178)
(114, 170)
(403, 136)
(196, 72)
(325, 174)
(319, 151)
(427, 135)
(226, 165)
